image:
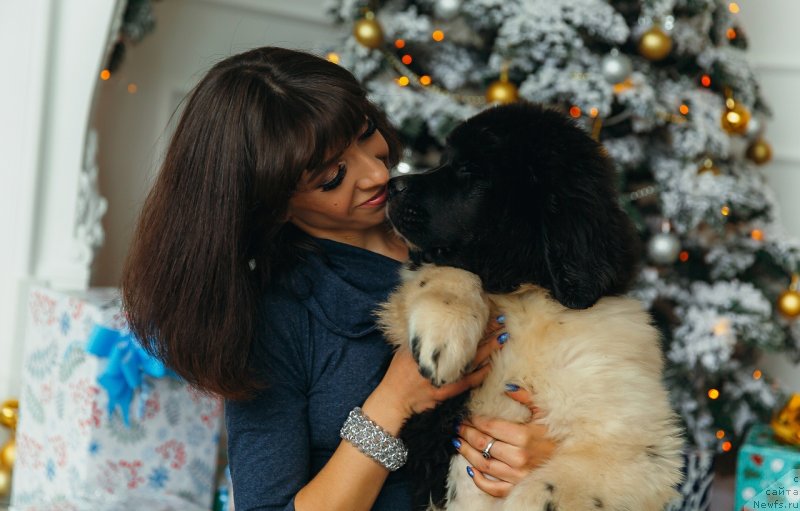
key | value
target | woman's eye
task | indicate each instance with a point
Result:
(336, 180)
(371, 129)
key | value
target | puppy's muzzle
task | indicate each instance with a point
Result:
(397, 185)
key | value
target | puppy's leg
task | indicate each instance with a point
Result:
(445, 314)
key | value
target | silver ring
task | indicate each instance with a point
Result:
(485, 452)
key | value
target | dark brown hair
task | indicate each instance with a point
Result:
(250, 128)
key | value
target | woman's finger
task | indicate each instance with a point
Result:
(495, 466)
(494, 488)
(487, 347)
(470, 381)
(529, 444)
(522, 396)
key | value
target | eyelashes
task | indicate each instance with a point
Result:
(371, 129)
(341, 169)
(337, 179)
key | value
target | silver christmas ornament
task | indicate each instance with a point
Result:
(446, 9)
(754, 128)
(664, 248)
(616, 67)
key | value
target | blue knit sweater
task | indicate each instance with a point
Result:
(322, 355)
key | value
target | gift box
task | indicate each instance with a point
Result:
(767, 472)
(86, 439)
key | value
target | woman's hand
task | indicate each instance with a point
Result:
(405, 391)
(516, 451)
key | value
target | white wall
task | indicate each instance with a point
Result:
(775, 56)
(190, 36)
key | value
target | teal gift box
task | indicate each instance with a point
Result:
(763, 468)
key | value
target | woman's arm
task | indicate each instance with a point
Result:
(351, 481)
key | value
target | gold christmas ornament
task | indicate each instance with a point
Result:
(368, 32)
(8, 454)
(9, 413)
(786, 423)
(655, 44)
(708, 166)
(735, 118)
(502, 91)
(5, 481)
(760, 152)
(789, 300)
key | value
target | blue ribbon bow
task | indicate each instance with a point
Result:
(127, 362)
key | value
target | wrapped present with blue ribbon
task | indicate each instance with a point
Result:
(100, 419)
(127, 364)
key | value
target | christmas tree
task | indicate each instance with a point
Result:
(664, 85)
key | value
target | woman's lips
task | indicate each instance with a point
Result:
(377, 200)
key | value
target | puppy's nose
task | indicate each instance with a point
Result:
(397, 185)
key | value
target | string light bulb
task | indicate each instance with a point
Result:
(333, 57)
(438, 36)
(713, 393)
(105, 74)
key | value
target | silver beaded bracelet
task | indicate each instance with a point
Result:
(373, 440)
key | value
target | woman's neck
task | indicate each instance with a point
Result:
(380, 239)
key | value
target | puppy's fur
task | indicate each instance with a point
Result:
(521, 218)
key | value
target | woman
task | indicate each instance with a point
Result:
(260, 254)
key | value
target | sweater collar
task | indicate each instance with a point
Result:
(342, 285)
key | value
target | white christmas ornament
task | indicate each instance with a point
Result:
(446, 9)
(665, 246)
(754, 128)
(616, 67)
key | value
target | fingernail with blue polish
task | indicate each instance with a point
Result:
(456, 443)
(502, 338)
(510, 387)
(501, 319)
(470, 472)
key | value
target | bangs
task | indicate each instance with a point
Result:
(329, 129)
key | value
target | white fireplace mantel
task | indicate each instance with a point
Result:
(49, 205)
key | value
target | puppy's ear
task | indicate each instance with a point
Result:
(590, 245)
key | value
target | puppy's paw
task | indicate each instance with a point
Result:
(446, 321)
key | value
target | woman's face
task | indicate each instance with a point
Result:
(349, 197)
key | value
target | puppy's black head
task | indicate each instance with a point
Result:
(522, 195)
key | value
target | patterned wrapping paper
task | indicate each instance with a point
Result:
(766, 464)
(71, 454)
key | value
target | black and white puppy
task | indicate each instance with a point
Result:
(522, 219)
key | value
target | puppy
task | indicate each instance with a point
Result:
(521, 218)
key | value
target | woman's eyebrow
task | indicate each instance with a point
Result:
(330, 161)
